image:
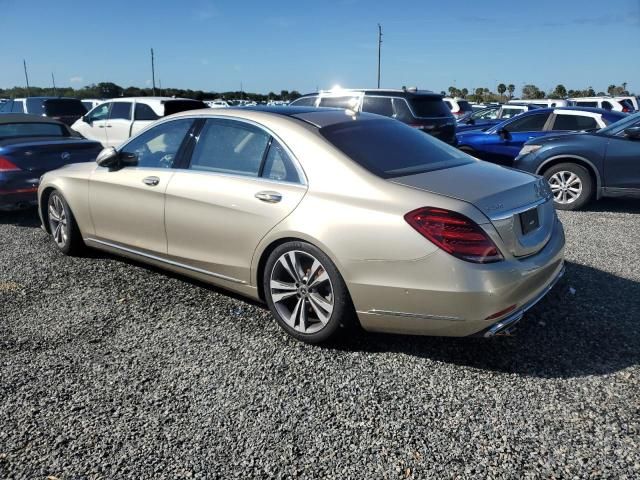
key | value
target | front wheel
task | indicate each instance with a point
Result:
(306, 293)
(62, 225)
(571, 185)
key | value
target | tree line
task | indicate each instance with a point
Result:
(531, 92)
(112, 90)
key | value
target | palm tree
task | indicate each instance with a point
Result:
(501, 89)
(511, 88)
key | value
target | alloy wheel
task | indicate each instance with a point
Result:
(58, 220)
(566, 186)
(301, 291)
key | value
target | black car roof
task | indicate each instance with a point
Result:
(380, 93)
(316, 116)
(25, 118)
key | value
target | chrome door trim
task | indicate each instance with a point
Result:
(419, 316)
(163, 260)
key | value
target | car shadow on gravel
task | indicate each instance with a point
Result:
(615, 205)
(588, 325)
(21, 218)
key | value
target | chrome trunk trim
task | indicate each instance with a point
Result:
(420, 316)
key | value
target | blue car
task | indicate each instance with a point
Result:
(30, 146)
(501, 143)
(490, 116)
(583, 167)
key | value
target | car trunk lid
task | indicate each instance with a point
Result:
(44, 154)
(517, 204)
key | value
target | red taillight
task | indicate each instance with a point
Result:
(455, 234)
(501, 312)
(7, 166)
(626, 109)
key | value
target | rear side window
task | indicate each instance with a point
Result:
(574, 122)
(401, 111)
(464, 106)
(430, 107)
(34, 106)
(378, 105)
(305, 102)
(64, 106)
(145, 112)
(531, 123)
(392, 149)
(120, 111)
(278, 165)
(511, 112)
(230, 147)
(587, 104)
(339, 102)
(17, 107)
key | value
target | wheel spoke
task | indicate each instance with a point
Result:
(53, 214)
(56, 233)
(323, 277)
(278, 297)
(291, 320)
(285, 264)
(303, 322)
(321, 312)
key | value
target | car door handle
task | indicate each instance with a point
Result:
(151, 181)
(100, 126)
(269, 197)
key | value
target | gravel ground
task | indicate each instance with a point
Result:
(110, 369)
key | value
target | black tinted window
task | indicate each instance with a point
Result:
(32, 130)
(378, 105)
(304, 102)
(574, 122)
(17, 107)
(430, 107)
(587, 104)
(230, 147)
(392, 149)
(464, 106)
(175, 106)
(35, 106)
(278, 165)
(158, 146)
(531, 123)
(145, 112)
(120, 110)
(64, 106)
(401, 111)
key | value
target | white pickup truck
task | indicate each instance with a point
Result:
(114, 121)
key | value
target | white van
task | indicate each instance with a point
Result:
(608, 103)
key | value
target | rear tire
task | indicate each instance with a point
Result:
(571, 184)
(62, 224)
(306, 293)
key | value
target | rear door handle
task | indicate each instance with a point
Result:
(151, 181)
(269, 197)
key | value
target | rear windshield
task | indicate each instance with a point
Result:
(64, 106)
(13, 130)
(175, 106)
(430, 107)
(389, 148)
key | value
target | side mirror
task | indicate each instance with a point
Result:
(85, 119)
(504, 134)
(108, 157)
(471, 121)
(632, 132)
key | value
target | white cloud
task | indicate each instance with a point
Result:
(76, 79)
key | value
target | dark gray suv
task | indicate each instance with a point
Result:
(420, 109)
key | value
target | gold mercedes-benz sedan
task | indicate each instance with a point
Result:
(326, 215)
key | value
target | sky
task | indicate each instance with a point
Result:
(216, 45)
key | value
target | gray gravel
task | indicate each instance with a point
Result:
(110, 369)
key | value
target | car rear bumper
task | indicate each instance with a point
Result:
(443, 296)
(17, 198)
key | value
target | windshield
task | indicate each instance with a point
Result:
(32, 129)
(427, 106)
(389, 148)
(620, 125)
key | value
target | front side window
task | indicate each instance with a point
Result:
(120, 111)
(530, 123)
(392, 149)
(158, 146)
(574, 122)
(377, 105)
(511, 112)
(230, 147)
(489, 114)
(101, 112)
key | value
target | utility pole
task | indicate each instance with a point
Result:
(26, 75)
(53, 79)
(241, 95)
(379, 50)
(153, 73)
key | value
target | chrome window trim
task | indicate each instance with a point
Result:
(163, 260)
(301, 173)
